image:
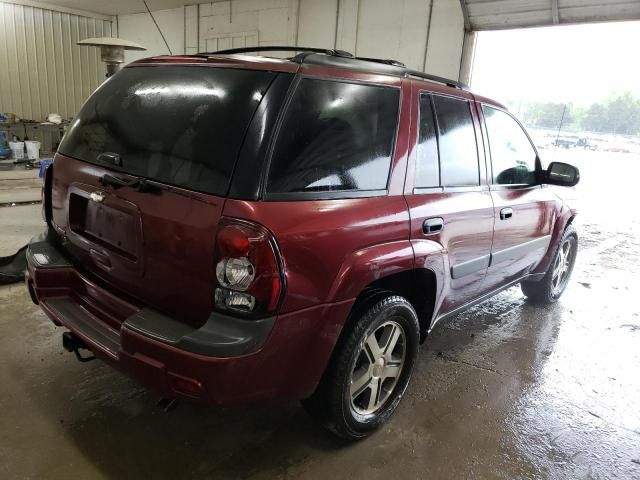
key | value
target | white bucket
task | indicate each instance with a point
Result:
(33, 149)
(17, 149)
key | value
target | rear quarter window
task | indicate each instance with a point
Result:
(335, 137)
(174, 124)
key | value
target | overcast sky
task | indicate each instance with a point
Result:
(581, 64)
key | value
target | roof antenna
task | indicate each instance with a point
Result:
(157, 26)
(564, 111)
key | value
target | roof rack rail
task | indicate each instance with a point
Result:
(304, 51)
(281, 48)
(386, 61)
(434, 78)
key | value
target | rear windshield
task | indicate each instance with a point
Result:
(178, 125)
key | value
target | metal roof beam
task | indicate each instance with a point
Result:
(506, 14)
(465, 14)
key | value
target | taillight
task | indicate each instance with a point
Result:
(248, 272)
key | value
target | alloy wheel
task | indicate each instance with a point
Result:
(377, 368)
(562, 267)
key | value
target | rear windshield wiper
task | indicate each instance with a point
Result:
(118, 182)
(143, 185)
(140, 184)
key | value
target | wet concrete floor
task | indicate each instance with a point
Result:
(505, 390)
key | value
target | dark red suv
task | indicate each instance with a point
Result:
(231, 228)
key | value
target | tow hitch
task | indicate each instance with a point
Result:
(72, 343)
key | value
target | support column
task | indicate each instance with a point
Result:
(468, 55)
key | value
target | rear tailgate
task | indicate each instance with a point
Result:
(179, 129)
(156, 247)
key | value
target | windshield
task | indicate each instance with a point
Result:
(178, 125)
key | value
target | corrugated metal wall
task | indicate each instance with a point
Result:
(42, 70)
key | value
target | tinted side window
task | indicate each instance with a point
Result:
(427, 167)
(458, 149)
(336, 136)
(512, 156)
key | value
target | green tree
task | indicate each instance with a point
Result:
(548, 114)
(623, 114)
(577, 117)
(596, 118)
(617, 114)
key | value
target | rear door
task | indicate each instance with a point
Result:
(450, 204)
(142, 175)
(523, 209)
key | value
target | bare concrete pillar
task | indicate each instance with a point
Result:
(468, 55)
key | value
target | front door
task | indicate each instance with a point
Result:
(523, 209)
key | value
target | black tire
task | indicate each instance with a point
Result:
(332, 403)
(544, 291)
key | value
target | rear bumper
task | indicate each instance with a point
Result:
(225, 361)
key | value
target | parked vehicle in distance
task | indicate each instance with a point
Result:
(227, 228)
(564, 143)
(585, 143)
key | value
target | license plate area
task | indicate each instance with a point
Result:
(106, 228)
(104, 225)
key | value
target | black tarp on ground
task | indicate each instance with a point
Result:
(12, 268)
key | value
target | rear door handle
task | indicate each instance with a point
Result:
(506, 213)
(432, 226)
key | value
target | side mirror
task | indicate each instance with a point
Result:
(561, 174)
